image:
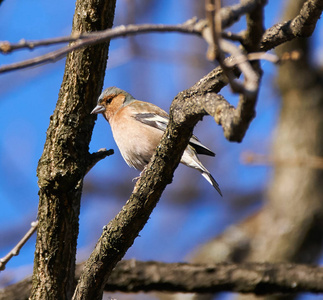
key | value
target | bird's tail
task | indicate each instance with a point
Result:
(191, 160)
(211, 180)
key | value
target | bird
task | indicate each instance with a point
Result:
(137, 128)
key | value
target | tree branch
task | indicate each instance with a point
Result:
(186, 110)
(132, 276)
(302, 25)
(228, 16)
(65, 159)
(257, 278)
(308, 161)
(86, 40)
(273, 37)
(95, 157)
(15, 250)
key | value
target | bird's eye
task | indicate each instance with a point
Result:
(108, 100)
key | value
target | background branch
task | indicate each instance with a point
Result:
(132, 276)
(273, 36)
(302, 25)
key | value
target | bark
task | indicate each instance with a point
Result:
(65, 158)
(131, 276)
(291, 227)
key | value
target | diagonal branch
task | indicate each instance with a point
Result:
(121, 232)
(302, 25)
(15, 250)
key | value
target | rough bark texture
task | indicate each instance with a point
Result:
(132, 276)
(294, 213)
(291, 227)
(65, 159)
(120, 233)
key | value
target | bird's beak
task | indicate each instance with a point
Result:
(98, 109)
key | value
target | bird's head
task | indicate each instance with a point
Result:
(111, 100)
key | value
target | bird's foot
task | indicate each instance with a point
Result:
(141, 173)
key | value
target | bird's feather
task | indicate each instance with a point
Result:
(160, 122)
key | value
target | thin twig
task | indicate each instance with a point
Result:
(189, 27)
(314, 162)
(15, 250)
(6, 47)
(229, 15)
(218, 47)
(95, 157)
(192, 26)
(213, 51)
(251, 77)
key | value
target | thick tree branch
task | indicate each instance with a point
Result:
(302, 25)
(132, 276)
(257, 278)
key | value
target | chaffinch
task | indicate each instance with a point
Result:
(137, 128)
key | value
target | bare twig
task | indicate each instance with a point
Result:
(273, 37)
(213, 51)
(228, 16)
(314, 162)
(6, 47)
(250, 86)
(218, 47)
(15, 250)
(91, 39)
(95, 157)
(294, 55)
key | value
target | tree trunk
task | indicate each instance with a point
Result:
(65, 158)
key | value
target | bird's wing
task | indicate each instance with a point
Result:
(153, 120)
(150, 114)
(160, 122)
